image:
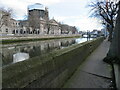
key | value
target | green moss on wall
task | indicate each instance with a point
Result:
(53, 67)
(7, 41)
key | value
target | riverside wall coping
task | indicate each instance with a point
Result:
(6, 40)
(34, 36)
(63, 61)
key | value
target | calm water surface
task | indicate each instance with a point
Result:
(13, 53)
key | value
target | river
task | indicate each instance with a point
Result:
(17, 52)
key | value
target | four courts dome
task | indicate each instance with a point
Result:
(36, 6)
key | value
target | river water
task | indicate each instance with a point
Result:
(17, 52)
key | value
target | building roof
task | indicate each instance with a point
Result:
(53, 21)
(36, 6)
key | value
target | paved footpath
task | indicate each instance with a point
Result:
(93, 72)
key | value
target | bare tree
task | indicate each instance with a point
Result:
(106, 11)
(25, 17)
(34, 19)
(48, 26)
(114, 52)
(4, 14)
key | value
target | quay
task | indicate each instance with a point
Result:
(93, 72)
(64, 68)
(40, 52)
(49, 71)
(23, 38)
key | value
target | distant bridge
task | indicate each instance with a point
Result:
(90, 35)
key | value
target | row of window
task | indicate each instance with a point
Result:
(25, 32)
(16, 23)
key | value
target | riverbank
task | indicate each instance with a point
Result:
(15, 39)
(51, 70)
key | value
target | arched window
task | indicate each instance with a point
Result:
(24, 32)
(35, 32)
(16, 31)
(13, 32)
(31, 32)
(38, 32)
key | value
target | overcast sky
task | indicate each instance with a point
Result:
(71, 12)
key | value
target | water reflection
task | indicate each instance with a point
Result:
(20, 57)
(11, 47)
(14, 53)
(80, 40)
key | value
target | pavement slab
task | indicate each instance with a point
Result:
(93, 72)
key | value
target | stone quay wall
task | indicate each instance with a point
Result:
(49, 71)
(12, 39)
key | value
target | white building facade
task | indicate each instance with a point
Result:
(38, 22)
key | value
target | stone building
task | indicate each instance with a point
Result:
(66, 29)
(38, 19)
(54, 27)
(5, 23)
(38, 22)
(36, 14)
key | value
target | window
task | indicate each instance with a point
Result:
(6, 30)
(13, 32)
(16, 31)
(24, 32)
(38, 32)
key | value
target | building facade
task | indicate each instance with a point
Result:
(38, 22)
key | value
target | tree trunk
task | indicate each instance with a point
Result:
(110, 34)
(114, 52)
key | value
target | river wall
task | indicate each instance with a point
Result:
(12, 39)
(49, 71)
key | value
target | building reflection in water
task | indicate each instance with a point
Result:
(20, 57)
(14, 53)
